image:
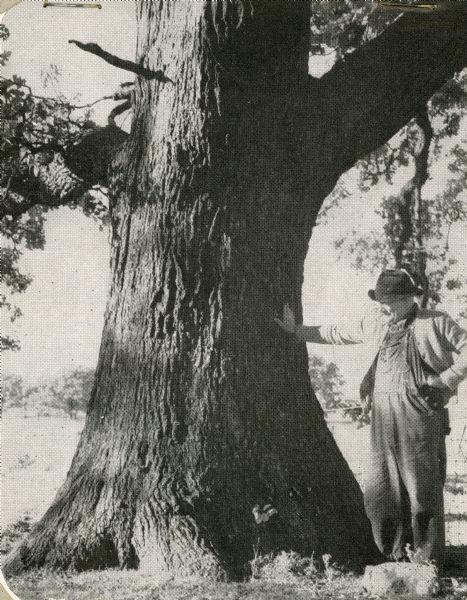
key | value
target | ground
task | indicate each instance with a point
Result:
(37, 452)
(120, 585)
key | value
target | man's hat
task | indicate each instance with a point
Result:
(394, 283)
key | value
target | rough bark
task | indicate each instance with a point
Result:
(202, 409)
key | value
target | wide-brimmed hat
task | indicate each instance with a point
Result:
(394, 283)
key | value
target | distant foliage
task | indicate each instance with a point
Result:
(37, 401)
(26, 231)
(12, 534)
(327, 382)
(67, 394)
(71, 393)
(12, 392)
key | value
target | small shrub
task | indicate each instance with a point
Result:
(12, 392)
(285, 566)
(71, 392)
(23, 462)
(453, 488)
(12, 534)
(327, 381)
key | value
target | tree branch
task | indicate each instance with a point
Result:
(13, 204)
(121, 63)
(43, 179)
(91, 157)
(118, 110)
(371, 95)
(46, 177)
(421, 175)
(50, 99)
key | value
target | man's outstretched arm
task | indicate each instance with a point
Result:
(322, 334)
(331, 334)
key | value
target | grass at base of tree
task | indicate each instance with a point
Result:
(12, 534)
(117, 585)
(280, 582)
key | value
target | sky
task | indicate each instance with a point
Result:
(63, 308)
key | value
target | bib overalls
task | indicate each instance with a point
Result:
(404, 488)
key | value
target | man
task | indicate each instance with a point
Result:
(421, 358)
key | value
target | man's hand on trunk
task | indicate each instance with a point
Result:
(288, 322)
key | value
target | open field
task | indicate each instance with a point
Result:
(37, 452)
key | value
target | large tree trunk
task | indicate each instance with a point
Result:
(202, 408)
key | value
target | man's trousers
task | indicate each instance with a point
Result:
(404, 487)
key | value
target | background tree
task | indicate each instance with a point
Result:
(327, 382)
(36, 401)
(12, 392)
(71, 392)
(68, 393)
(201, 409)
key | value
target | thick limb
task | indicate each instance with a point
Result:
(377, 90)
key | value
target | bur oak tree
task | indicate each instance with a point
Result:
(202, 408)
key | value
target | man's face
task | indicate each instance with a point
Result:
(396, 308)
